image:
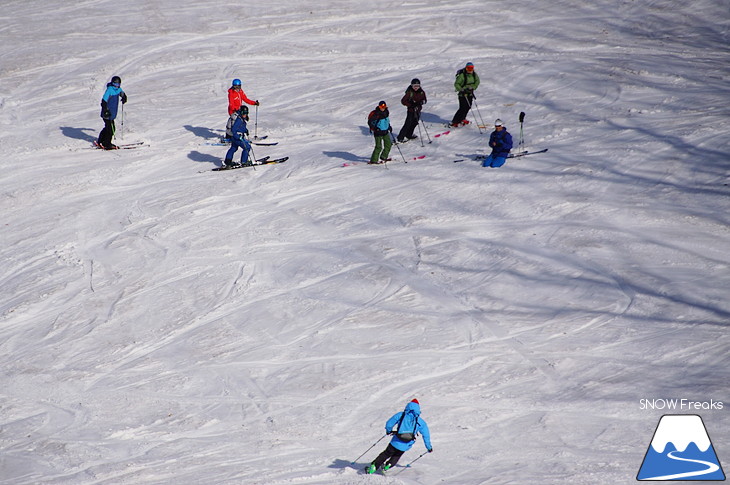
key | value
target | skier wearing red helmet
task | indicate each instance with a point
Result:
(405, 428)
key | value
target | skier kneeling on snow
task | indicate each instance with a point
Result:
(501, 142)
(408, 425)
(238, 133)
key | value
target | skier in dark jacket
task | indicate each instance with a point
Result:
(413, 100)
(238, 140)
(379, 124)
(501, 142)
(405, 428)
(109, 108)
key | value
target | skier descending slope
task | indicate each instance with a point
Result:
(405, 428)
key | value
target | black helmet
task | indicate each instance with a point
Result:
(243, 110)
(116, 79)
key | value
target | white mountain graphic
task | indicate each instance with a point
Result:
(681, 450)
(680, 430)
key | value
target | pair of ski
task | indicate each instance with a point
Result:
(260, 161)
(511, 155)
(352, 164)
(123, 146)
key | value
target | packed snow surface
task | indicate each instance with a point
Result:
(161, 323)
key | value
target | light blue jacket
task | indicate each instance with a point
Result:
(411, 423)
(110, 101)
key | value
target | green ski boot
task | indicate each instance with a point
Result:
(370, 470)
(386, 467)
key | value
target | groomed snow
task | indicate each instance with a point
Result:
(161, 325)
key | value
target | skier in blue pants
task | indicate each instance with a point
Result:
(405, 428)
(501, 142)
(238, 140)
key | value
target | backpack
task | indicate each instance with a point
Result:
(371, 119)
(407, 436)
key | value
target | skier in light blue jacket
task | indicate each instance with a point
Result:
(405, 428)
(109, 107)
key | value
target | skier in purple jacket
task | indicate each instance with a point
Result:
(501, 142)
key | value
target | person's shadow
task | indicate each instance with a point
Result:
(78, 133)
(203, 132)
(341, 464)
(196, 156)
(350, 157)
(432, 118)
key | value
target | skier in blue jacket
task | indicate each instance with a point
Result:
(405, 428)
(109, 107)
(501, 142)
(238, 132)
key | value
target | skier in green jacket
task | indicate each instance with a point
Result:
(467, 81)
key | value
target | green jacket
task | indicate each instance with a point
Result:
(464, 80)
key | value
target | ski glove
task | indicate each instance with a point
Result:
(124, 98)
(430, 450)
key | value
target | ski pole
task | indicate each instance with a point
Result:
(420, 135)
(371, 447)
(256, 124)
(396, 145)
(121, 137)
(521, 144)
(411, 463)
(425, 130)
(472, 102)
(251, 156)
(419, 457)
(480, 114)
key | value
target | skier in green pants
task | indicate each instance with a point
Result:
(379, 124)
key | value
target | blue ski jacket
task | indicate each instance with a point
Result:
(501, 143)
(110, 101)
(410, 422)
(239, 129)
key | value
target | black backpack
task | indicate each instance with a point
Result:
(406, 436)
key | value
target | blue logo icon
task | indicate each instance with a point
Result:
(681, 450)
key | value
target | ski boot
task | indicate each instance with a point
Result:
(370, 469)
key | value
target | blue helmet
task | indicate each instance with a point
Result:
(236, 82)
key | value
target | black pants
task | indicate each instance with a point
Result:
(105, 137)
(465, 101)
(412, 119)
(391, 455)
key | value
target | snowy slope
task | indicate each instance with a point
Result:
(162, 325)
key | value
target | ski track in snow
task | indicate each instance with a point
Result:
(162, 325)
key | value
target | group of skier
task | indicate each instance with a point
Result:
(465, 84)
